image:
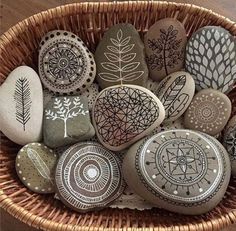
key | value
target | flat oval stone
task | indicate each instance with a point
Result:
(35, 166)
(165, 44)
(120, 57)
(21, 106)
(66, 121)
(124, 114)
(88, 177)
(66, 66)
(176, 92)
(208, 112)
(230, 142)
(211, 58)
(179, 170)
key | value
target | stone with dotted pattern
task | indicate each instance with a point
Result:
(66, 66)
(35, 165)
(179, 170)
(208, 112)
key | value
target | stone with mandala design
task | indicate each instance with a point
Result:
(66, 66)
(179, 170)
(120, 57)
(165, 44)
(66, 121)
(230, 142)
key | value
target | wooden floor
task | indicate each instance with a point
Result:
(13, 11)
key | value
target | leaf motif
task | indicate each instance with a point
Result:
(162, 85)
(125, 41)
(127, 48)
(128, 58)
(178, 105)
(109, 77)
(113, 49)
(115, 42)
(111, 57)
(39, 164)
(130, 66)
(119, 35)
(173, 91)
(23, 101)
(133, 76)
(110, 66)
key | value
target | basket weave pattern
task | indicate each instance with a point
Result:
(90, 20)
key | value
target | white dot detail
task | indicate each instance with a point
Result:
(214, 170)
(154, 176)
(175, 192)
(208, 147)
(200, 190)
(20, 172)
(92, 172)
(148, 151)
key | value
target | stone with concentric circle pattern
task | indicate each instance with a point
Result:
(178, 170)
(208, 112)
(88, 177)
(66, 66)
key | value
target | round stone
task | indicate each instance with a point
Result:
(211, 58)
(124, 114)
(35, 166)
(230, 142)
(65, 63)
(191, 173)
(176, 92)
(165, 46)
(88, 177)
(208, 112)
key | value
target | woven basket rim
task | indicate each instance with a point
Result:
(29, 218)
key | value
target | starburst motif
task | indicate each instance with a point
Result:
(182, 161)
(123, 113)
(64, 63)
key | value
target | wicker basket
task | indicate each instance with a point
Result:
(90, 20)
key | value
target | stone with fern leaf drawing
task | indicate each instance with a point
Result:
(66, 121)
(120, 57)
(165, 44)
(211, 58)
(21, 106)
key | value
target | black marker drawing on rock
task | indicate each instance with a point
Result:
(167, 50)
(22, 97)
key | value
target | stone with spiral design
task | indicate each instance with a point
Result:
(88, 177)
(208, 112)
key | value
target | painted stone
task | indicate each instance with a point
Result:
(66, 66)
(124, 114)
(88, 177)
(91, 94)
(176, 92)
(179, 170)
(21, 106)
(120, 57)
(165, 44)
(230, 142)
(211, 58)
(208, 112)
(35, 166)
(66, 121)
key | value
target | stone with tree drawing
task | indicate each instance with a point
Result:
(165, 44)
(120, 57)
(66, 121)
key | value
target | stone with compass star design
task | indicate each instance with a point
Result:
(66, 66)
(179, 170)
